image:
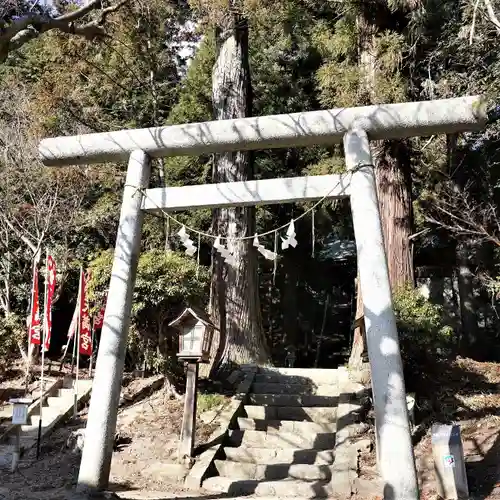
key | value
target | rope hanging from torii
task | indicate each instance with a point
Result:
(289, 240)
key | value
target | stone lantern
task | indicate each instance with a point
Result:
(195, 338)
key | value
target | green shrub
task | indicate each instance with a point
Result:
(12, 331)
(422, 332)
(166, 283)
(208, 402)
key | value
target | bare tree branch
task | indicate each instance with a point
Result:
(32, 246)
(473, 26)
(491, 14)
(455, 211)
(31, 25)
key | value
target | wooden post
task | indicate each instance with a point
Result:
(16, 454)
(189, 419)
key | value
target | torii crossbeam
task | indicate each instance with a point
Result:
(355, 127)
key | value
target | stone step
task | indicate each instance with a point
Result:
(284, 488)
(265, 456)
(290, 388)
(276, 426)
(260, 439)
(242, 470)
(56, 401)
(48, 413)
(318, 376)
(316, 414)
(292, 400)
(66, 392)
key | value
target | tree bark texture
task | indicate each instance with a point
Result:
(235, 301)
(393, 177)
(392, 171)
(466, 296)
(358, 349)
(465, 277)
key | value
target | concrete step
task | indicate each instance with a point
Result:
(55, 409)
(49, 413)
(242, 470)
(66, 392)
(292, 400)
(56, 402)
(265, 456)
(275, 426)
(290, 388)
(260, 439)
(29, 431)
(318, 376)
(284, 488)
(300, 414)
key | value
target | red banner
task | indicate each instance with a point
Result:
(34, 329)
(85, 329)
(99, 318)
(51, 288)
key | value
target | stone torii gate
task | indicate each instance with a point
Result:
(355, 127)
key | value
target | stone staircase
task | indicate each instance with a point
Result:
(58, 403)
(283, 443)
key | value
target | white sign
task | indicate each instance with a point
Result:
(20, 414)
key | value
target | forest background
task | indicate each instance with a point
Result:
(72, 67)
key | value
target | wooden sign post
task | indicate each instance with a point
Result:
(19, 418)
(189, 417)
(195, 337)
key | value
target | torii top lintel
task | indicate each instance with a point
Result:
(386, 121)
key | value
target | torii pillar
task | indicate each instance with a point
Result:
(352, 126)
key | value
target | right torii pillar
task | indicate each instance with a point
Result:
(394, 446)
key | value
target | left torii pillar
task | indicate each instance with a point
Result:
(101, 423)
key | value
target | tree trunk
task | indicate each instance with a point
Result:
(392, 170)
(235, 301)
(466, 296)
(359, 341)
(393, 176)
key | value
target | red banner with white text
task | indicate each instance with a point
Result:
(51, 288)
(34, 329)
(85, 328)
(99, 318)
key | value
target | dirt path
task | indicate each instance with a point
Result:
(463, 391)
(148, 433)
(466, 392)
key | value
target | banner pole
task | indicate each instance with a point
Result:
(69, 336)
(28, 360)
(77, 343)
(74, 352)
(92, 349)
(44, 335)
(77, 312)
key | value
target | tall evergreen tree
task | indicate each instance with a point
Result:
(235, 288)
(366, 52)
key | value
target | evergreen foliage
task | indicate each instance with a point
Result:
(303, 56)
